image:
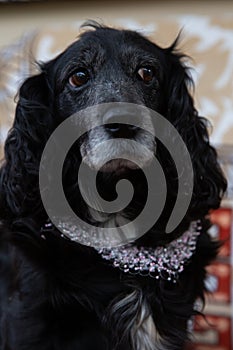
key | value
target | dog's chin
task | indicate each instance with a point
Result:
(119, 166)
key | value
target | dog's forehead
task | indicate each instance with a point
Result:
(111, 43)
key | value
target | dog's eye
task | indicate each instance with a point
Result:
(146, 74)
(79, 78)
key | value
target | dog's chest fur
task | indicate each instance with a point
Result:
(121, 302)
(141, 328)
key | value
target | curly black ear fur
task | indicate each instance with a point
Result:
(23, 149)
(209, 181)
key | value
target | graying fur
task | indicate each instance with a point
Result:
(130, 317)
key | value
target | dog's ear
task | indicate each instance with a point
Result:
(209, 182)
(23, 147)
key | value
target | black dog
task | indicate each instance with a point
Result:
(59, 294)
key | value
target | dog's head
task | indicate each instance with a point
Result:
(105, 66)
(109, 66)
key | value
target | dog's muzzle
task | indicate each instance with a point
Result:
(124, 137)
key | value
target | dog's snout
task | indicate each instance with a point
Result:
(119, 124)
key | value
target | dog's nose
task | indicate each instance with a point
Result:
(116, 129)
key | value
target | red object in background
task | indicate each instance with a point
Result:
(213, 333)
(222, 220)
(221, 285)
(221, 269)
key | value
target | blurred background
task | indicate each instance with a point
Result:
(38, 30)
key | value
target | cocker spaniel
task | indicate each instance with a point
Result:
(59, 294)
